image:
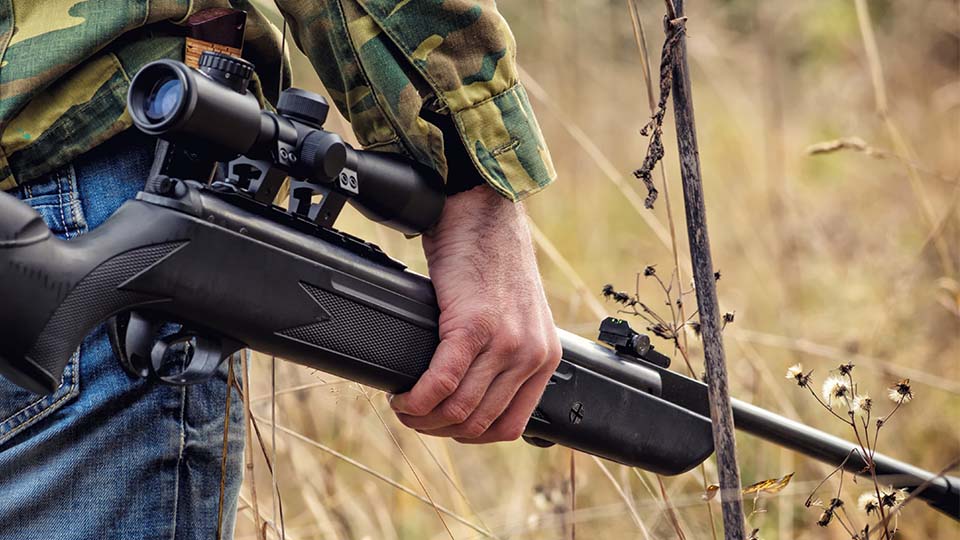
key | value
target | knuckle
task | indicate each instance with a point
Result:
(510, 431)
(466, 341)
(454, 412)
(484, 322)
(554, 355)
(476, 428)
(417, 408)
(509, 340)
(540, 351)
(444, 384)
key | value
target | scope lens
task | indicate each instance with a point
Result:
(163, 99)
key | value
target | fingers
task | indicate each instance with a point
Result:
(494, 403)
(457, 408)
(503, 412)
(510, 425)
(449, 365)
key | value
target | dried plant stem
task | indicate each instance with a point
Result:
(896, 136)
(720, 409)
(226, 448)
(450, 476)
(915, 492)
(550, 250)
(347, 459)
(277, 509)
(670, 512)
(406, 459)
(573, 493)
(623, 495)
(610, 171)
(248, 459)
(641, 39)
(809, 347)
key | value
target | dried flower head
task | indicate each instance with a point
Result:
(649, 271)
(868, 503)
(827, 514)
(901, 392)
(825, 518)
(728, 317)
(846, 369)
(716, 276)
(861, 406)
(835, 389)
(890, 498)
(661, 330)
(796, 372)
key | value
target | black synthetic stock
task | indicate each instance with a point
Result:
(334, 304)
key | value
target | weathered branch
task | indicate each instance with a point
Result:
(720, 411)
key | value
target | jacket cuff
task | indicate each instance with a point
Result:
(504, 141)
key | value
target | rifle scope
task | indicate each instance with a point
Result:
(211, 113)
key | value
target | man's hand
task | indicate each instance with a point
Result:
(498, 345)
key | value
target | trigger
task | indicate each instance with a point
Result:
(204, 354)
(131, 336)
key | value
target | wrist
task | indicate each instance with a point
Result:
(475, 216)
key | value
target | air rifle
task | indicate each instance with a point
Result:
(204, 246)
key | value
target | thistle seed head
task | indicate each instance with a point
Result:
(834, 390)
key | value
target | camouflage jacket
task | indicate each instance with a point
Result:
(65, 66)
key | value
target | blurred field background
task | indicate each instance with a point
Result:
(849, 255)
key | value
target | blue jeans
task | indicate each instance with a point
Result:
(108, 456)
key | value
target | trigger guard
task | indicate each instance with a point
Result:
(131, 336)
(202, 364)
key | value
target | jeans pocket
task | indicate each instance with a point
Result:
(20, 409)
(56, 198)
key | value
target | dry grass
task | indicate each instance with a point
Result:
(846, 254)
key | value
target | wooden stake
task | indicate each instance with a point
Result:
(703, 277)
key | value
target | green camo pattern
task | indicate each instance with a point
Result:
(65, 66)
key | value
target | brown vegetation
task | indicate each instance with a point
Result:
(846, 252)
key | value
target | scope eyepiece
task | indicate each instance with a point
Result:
(163, 99)
(158, 96)
(169, 100)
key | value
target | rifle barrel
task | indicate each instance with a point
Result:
(941, 492)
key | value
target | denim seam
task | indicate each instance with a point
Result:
(63, 217)
(79, 220)
(44, 412)
(183, 446)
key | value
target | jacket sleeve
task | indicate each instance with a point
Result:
(389, 65)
